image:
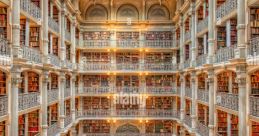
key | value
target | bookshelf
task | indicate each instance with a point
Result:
(127, 57)
(222, 123)
(255, 128)
(96, 80)
(234, 125)
(96, 57)
(34, 37)
(127, 81)
(223, 82)
(178, 100)
(200, 13)
(158, 57)
(202, 81)
(21, 120)
(200, 46)
(165, 35)
(54, 81)
(36, 2)
(33, 123)
(33, 82)
(68, 52)
(95, 126)
(187, 51)
(159, 126)
(234, 83)
(165, 103)
(68, 107)
(188, 81)
(55, 49)
(254, 22)
(221, 37)
(97, 35)
(77, 33)
(55, 13)
(77, 104)
(3, 22)
(53, 112)
(68, 25)
(188, 107)
(187, 25)
(127, 35)
(159, 80)
(178, 81)
(22, 31)
(201, 114)
(67, 81)
(2, 83)
(233, 32)
(95, 103)
(178, 34)
(22, 84)
(255, 84)
(2, 128)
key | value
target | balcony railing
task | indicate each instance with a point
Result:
(29, 100)
(96, 43)
(95, 90)
(187, 63)
(68, 36)
(162, 113)
(95, 66)
(187, 36)
(202, 25)
(54, 60)
(254, 106)
(201, 60)
(188, 92)
(188, 120)
(202, 129)
(227, 100)
(53, 25)
(161, 90)
(94, 113)
(5, 52)
(160, 44)
(52, 95)
(128, 134)
(68, 64)
(225, 9)
(68, 120)
(253, 48)
(53, 129)
(127, 66)
(67, 92)
(128, 90)
(224, 54)
(128, 43)
(3, 105)
(203, 95)
(160, 67)
(30, 8)
(179, 91)
(32, 54)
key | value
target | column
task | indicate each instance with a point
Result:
(13, 96)
(25, 82)
(241, 30)
(44, 102)
(182, 131)
(45, 26)
(175, 129)
(73, 107)
(211, 37)
(73, 40)
(15, 40)
(182, 93)
(62, 33)
(205, 116)
(243, 99)
(228, 124)
(27, 32)
(210, 79)
(62, 81)
(181, 41)
(193, 33)
(194, 98)
(73, 131)
(26, 124)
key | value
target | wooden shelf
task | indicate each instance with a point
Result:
(255, 84)
(159, 80)
(96, 57)
(34, 37)
(97, 35)
(54, 81)
(95, 103)
(158, 57)
(21, 125)
(255, 128)
(95, 126)
(222, 123)
(166, 35)
(3, 128)
(33, 123)
(68, 107)
(127, 35)
(53, 114)
(96, 80)
(3, 22)
(33, 82)
(127, 57)
(221, 37)
(159, 126)
(165, 103)
(254, 22)
(127, 81)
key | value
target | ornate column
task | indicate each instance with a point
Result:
(62, 81)
(181, 41)
(62, 33)
(73, 39)
(210, 80)
(194, 98)
(182, 93)
(211, 37)
(193, 33)
(73, 108)
(44, 102)
(243, 100)
(15, 80)
(45, 27)
(241, 29)
(15, 32)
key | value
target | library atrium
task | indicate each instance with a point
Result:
(129, 67)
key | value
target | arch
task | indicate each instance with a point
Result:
(158, 12)
(127, 128)
(96, 12)
(127, 11)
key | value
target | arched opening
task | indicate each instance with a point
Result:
(158, 12)
(127, 128)
(96, 12)
(126, 12)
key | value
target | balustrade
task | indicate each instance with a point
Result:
(31, 9)
(254, 106)
(67, 120)
(54, 60)
(128, 90)
(228, 100)
(126, 66)
(225, 9)
(188, 92)
(5, 52)
(96, 43)
(28, 100)
(95, 90)
(94, 113)
(95, 66)
(31, 54)
(67, 92)
(187, 36)
(161, 90)
(202, 25)
(188, 120)
(201, 60)
(53, 25)
(52, 95)
(3, 105)
(160, 67)
(68, 36)
(203, 95)
(224, 54)
(53, 129)
(160, 44)
(187, 63)
(202, 129)
(253, 48)
(128, 43)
